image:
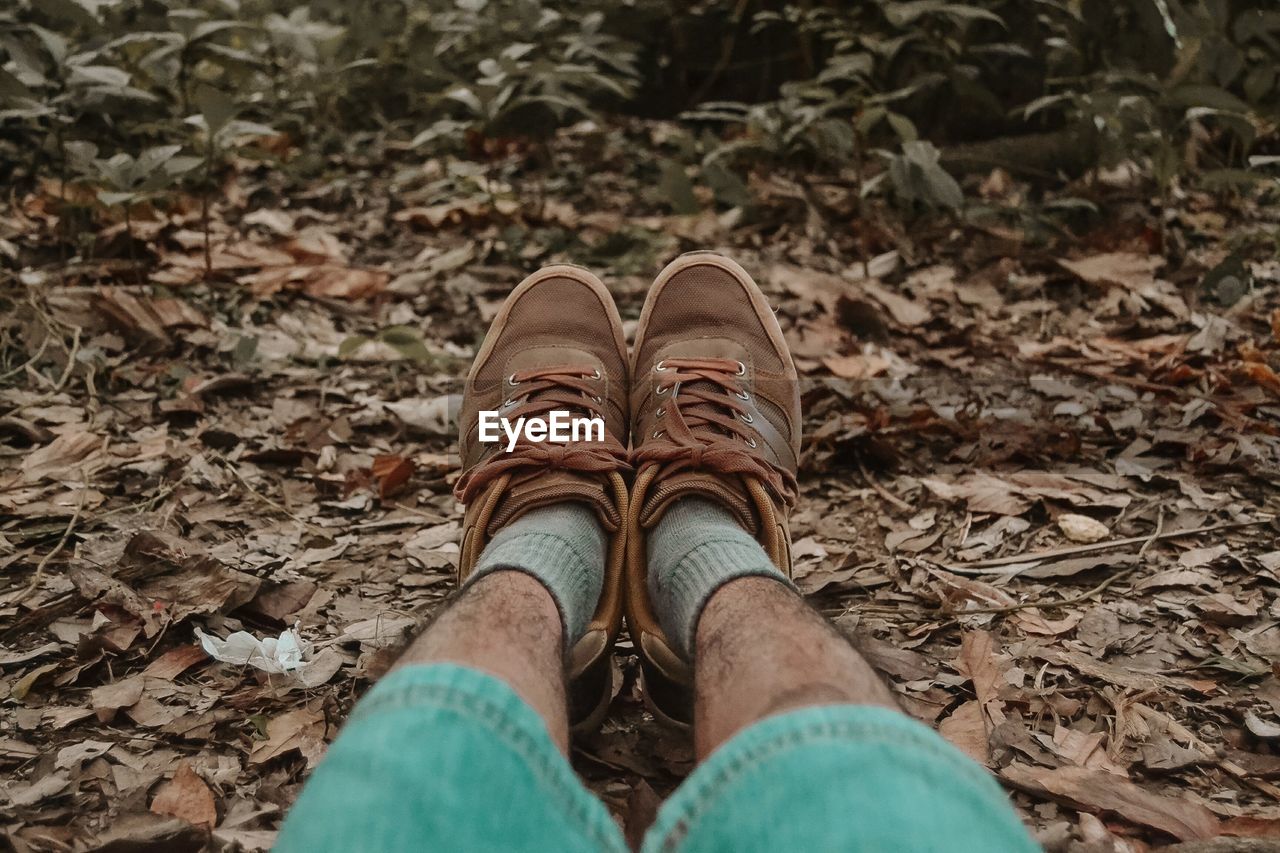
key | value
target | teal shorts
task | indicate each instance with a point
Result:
(443, 757)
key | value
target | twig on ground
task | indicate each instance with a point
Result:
(274, 504)
(66, 534)
(1084, 596)
(428, 516)
(71, 361)
(44, 344)
(981, 567)
(882, 491)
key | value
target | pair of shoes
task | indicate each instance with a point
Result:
(707, 404)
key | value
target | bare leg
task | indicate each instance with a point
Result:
(506, 625)
(760, 650)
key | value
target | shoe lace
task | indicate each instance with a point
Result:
(543, 390)
(703, 425)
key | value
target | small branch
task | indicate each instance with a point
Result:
(981, 567)
(44, 344)
(276, 505)
(882, 491)
(71, 361)
(1084, 596)
(66, 534)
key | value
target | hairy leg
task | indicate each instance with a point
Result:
(760, 650)
(507, 625)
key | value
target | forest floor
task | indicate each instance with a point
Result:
(269, 446)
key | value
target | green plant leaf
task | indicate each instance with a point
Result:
(351, 344)
(216, 106)
(676, 188)
(111, 199)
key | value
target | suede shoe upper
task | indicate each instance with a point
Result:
(715, 408)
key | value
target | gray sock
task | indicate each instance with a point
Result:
(697, 548)
(562, 546)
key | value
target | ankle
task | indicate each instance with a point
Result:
(561, 547)
(697, 549)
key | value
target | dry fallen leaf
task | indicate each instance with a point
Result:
(392, 474)
(174, 662)
(1122, 269)
(301, 729)
(112, 697)
(1082, 528)
(1099, 791)
(977, 661)
(966, 729)
(186, 796)
(1260, 727)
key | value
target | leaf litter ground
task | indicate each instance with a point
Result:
(1039, 492)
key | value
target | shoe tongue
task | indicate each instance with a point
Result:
(550, 487)
(729, 492)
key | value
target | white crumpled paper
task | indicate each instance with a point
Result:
(269, 654)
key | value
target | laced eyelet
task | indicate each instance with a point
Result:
(742, 369)
(662, 410)
(596, 398)
(657, 433)
(742, 395)
(595, 374)
(661, 367)
(507, 404)
(662, 389)
(511, 380)
(751, 442)
(747, 418)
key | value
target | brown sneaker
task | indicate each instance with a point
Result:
(556, 345)
(715, 408)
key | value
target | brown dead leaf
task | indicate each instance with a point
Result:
(1075, 565)
(1119, 269)
(1082, 528)
(279, 601)
(392, 473)
(62, 457)
(905, 313)
(48, 786)
(966, 730)
(982, 493)
(174, 662)
(1228, 609)
(110, 698)
(891, 659)
(642, 810)
(960, 593)
(186, 796)
(1261, 728)
(856, 366)
(146, 319)
(316, 246)
(1264, 376)
(144, 831)
(1119, 675)
(335, 282)
(301, 729)
(1085, 750)
(1099, 791)
(203, 586)
(978, 662)
(23, 685)
(1031, 621)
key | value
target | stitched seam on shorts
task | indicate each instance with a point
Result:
(547, 771)
(810, 733)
